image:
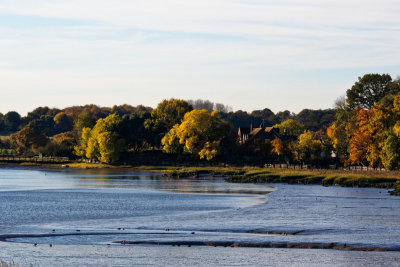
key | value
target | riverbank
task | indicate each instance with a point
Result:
(345, 178)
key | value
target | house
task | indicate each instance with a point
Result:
(258, 136)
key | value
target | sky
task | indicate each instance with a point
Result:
(248, 54)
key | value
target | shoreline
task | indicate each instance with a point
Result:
(365, 179)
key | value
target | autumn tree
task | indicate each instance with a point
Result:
(199, 134)
(372, 135)
(27, 140)
(62, 145)
(165, 116)
(337, 131)
(308, 148)
(360, 138)
(283, 149)
(39, 112)
(103, 142)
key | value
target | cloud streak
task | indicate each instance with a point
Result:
(184, 48)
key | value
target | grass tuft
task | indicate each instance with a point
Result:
(91, 166)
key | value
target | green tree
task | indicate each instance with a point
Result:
(370, 89)
(63, 123)
(290, 127)
(240, 118)
(12, 121)
(392, 142)
(199, 134)
(166, 115)
(315, 120)
(133, 131)
(285, 115)
(2, 128)
(44, 124)
(84, 120)
(392, 151)
(266, 116)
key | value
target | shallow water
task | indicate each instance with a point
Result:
(82, 213)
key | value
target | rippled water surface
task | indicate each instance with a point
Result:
(123, 218)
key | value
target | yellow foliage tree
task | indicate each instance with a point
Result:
(199, 134)
(102, 142)
(110, 145)
(308, 148)
(290, 127)
(80, 150)
(210, 150)
(278, 146)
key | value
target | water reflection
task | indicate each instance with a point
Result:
(148, 181)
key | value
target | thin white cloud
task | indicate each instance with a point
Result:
(195, 48)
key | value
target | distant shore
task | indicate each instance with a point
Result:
(387, 179)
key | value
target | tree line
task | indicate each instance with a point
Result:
(367, 126)
(363, 128)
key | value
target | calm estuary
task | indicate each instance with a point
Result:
(126, 218)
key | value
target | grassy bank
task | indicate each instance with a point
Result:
(346, 178)
(290, 176)
(90, 166)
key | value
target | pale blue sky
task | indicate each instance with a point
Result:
(289, 54)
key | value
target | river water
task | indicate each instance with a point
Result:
(130, 218)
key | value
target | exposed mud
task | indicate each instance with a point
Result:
(336, 246)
